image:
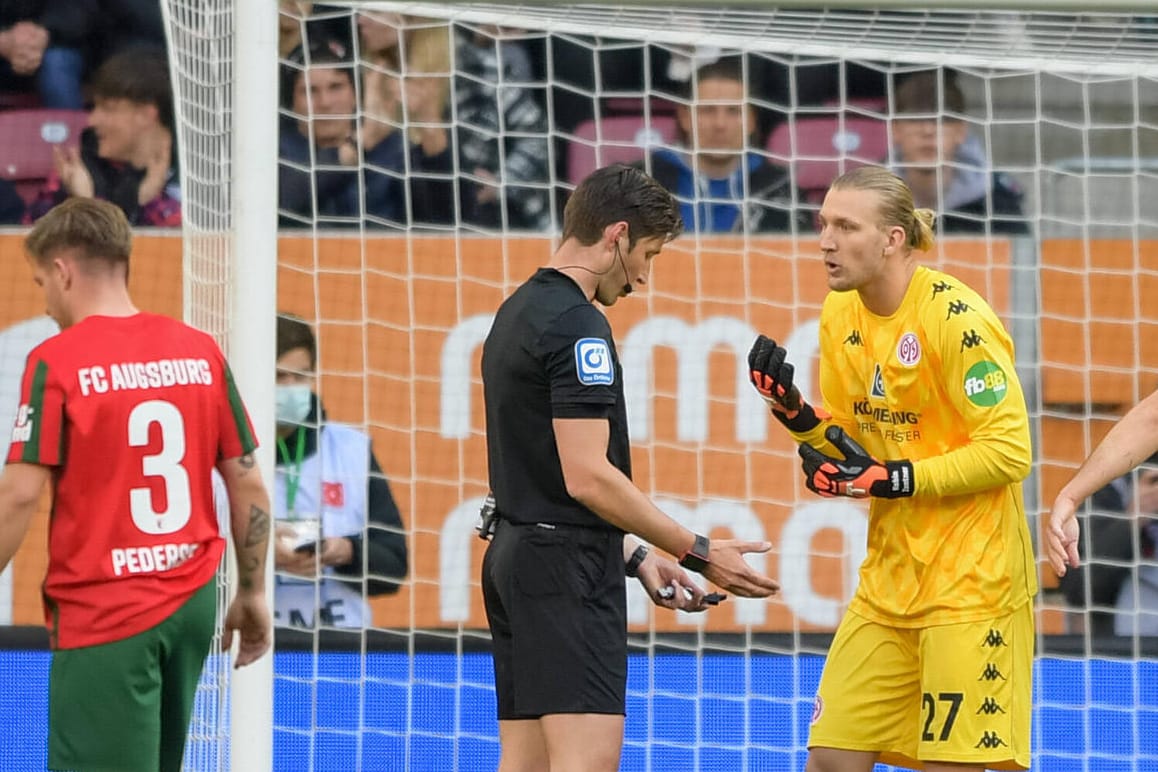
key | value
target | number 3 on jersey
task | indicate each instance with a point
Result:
(165, 464)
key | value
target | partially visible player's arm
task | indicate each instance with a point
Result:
(1130, 442)
(596, 483)
(20, 488)
(250, 527)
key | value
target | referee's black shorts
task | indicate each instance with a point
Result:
(557, 608)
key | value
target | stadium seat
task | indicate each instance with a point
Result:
(624, 138)
(19, 100)
(878, 105)
(28, 137)
(634, 105)
(821, 147)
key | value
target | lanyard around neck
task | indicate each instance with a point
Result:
(293, 473)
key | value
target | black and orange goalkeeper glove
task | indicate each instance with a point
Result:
(857, 475)
(772, 377)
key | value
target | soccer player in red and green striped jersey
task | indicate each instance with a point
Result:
(127, 414)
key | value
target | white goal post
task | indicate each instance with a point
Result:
(223, 60)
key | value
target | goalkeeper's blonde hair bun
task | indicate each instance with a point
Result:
(924, 228)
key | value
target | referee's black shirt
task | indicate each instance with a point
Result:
(549, 355)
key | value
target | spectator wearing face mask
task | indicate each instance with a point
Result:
(340, 537)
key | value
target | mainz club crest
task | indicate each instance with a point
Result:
(909, 349)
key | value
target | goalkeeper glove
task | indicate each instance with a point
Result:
(857, 475)
(772, 377)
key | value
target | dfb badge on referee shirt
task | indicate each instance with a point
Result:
(593, 362)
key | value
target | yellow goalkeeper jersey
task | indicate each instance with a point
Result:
(935, 384)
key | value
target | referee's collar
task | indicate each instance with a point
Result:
(548, 274)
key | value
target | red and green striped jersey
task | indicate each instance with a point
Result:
(133, 413)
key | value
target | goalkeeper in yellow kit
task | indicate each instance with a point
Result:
(923, 413)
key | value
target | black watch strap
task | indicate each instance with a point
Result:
(631, 567)
(696, 559)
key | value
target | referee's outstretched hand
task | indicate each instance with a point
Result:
(728, 570)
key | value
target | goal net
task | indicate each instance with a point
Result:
(425, 154)
(200, 43)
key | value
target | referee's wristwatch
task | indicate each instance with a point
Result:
(696, 559)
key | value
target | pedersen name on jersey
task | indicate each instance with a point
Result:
(149, 560)
(156, 374)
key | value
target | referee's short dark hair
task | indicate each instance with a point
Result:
(621, 192)
(293, 332)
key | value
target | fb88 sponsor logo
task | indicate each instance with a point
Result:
(985, 384)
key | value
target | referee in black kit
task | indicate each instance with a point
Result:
(560, 471)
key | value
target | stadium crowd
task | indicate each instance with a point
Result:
(398, 122)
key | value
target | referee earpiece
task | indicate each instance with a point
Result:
(627, 288)
(617, 260)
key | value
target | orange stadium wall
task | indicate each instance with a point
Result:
(410, 376)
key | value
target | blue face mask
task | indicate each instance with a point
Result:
(293, 403)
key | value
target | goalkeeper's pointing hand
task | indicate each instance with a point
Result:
(772, 375)
(858, 474)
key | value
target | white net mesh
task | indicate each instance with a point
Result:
(200, 40)
(401, 239)
(1001, 39)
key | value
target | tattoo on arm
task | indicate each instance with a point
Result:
(246, 575)
(247, 462)
(258, 530)
(251, 556)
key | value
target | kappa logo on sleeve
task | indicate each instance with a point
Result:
(593, 362)
(22, 430)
